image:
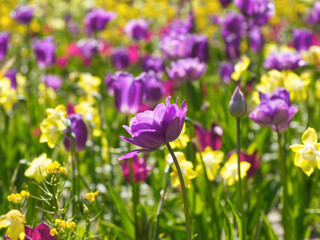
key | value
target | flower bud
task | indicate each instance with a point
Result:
(238, 103)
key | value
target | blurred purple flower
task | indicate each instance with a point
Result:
(150, 63)
(200, 48)
(233, 24)
(97, 19)
(39, 232)
(44, 51)
(153, 90)
(284, 61)
(274, 110)
(11, 74)
(109, 82)
(225, 71)
(52, 81)
(152, 129)
(232, 47)
(176, 46)
(140, 169)
(88, 47)
(180, 27)
(256, 39)
(23, 14)
(254, 160)
(120, 58)
(211, 137)
(225, 3)
(137, 29)
(188, 69)
(4, 44)
(79, 131)
(128, 93)
(302, 39)
(314, 14)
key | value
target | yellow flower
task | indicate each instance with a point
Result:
(53, 232)
(46, 93)
(307, 156)
(182, 140)
(25, 194)
(312, 56)
(211, 160)
(91, 196)
(16, 198)
(297, 86)
(63, 225)
(186, 168)
(240, 68)
(317, 88)
(230, 170)
(14, 222)
(53, 168)
(8, 95)
(88, 83)
(105, 150)
(37, 169)
(270, 81)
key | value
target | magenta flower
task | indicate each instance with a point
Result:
(40, 232)
(152, 129)
(97, 19)
(211, 137)
(274, 110)
(79, 130)
(140, 169)
(137, 29)
(4, 44)
(254, 159)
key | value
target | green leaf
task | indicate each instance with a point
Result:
(228, 233)
(236, 214)
(271, 234)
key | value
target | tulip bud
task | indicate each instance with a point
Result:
(238, 103)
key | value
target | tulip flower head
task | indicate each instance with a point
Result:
(44, 51)
(4, 44)
(97, 19)
(210, 137)
(137, 29)
(152, 129)
(307, 156)
(23, 14)
(140, 169)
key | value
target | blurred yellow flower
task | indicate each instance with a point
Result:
(297, 86)
(88, 83)
(16, 198)
(14, 222)
(182, 140)
(270, 81)
(46, 94)
(312, 56)
(211, 160)
(230, 169)
(37, 169)
(240, 68)
(307, 156)
(8, 95)
(186, 168)
(53, 232)
(55, 168)
(91, 196)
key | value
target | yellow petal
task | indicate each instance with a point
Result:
(309, 136)
(296, 147)
(298, 159)
(308, 167)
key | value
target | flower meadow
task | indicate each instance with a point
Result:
(159, 119)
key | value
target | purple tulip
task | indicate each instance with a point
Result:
(140, 169)
(232, 47)
(109, 82)
(180, 27)
(284, 61)
(274, 110)
(4, 44)
(97, 19)
(238, 103)
(88, 47)
(137, 29)
(225, 3)
(39, 232)
(154, 89)
(120, 58)
(79, 130)
(23, 14)
(176, 46)
(11, 74)
(256, 39)
(233, 24)
(44, 51)
(128, 93)
(189, 69)
(314, 14)
(211, 137)
(302, 39)
(254, 160)
(225, 71)
(150, 63)
(52, 81)
(200, 48)
(152, 129)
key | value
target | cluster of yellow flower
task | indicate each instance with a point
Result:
(63, 226)
(91, 196)
(8, 95)
(55, 168)
(17, 198)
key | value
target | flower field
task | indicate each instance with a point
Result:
(159, 119)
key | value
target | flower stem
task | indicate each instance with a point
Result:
(184, 192)
(162, 195)
(284, 190)
(135, 200)
(240, 181)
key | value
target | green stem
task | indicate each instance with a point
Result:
(163, 195)
(240, 181)
(184, 192)
(284, 190)
(135, 200)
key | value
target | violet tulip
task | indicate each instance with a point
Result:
(44, 51)
(97, 19)
(284, 61)
(200, 48)
(238, 103)
(23, 14)
(150, 63)
(176, 46)
(154, 89)
(225, 71)
(152, 129)
(275, 110)
(302, 39)
(137, 29)
(52, 81)
(211, 137)
(120, 58)
(189, 69)
(128, 93)
(11, 74)
(78, 130)
(314, 14)
(39, 232)
(88, 47)
(140, 169)
(225, 3)
(4, 44)
(256, 39)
